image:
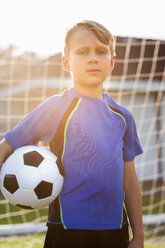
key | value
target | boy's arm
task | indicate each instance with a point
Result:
(5, 151)
(133, 203)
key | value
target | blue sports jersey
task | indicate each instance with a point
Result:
(92, 139)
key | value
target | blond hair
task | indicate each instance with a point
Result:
(102, 33)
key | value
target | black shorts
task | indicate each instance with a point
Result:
(60, 238)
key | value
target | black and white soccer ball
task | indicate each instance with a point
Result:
(30, 177)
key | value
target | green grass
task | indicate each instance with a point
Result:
(37, 241)
(156, 210)
(156, 246)
(29, 216)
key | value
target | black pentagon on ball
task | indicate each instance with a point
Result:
(33, 158)
(43, 190)
(10, 183)
(24, 207)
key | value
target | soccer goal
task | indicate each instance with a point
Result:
(137, 82)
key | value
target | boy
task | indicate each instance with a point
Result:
(95, 141)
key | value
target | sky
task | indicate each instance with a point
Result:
(40, 25)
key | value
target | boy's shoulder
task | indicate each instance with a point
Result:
(113, 104)
(57, 99)
(55, 105)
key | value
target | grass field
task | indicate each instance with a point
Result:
(17, 218)
(155, 246)
(36, 241)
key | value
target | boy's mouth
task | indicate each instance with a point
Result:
(93, 70)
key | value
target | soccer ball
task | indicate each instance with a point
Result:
(30, 177)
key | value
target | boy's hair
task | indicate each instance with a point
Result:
(102, 33)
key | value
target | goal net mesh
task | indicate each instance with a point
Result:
(137, 82)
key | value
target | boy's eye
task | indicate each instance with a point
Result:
(82, 52)
(101, 52)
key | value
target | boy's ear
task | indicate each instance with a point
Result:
(112, 63)
(65, 64)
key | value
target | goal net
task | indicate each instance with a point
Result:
(137, 82)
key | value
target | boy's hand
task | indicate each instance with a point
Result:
(136, 243)
(133, 202)
(5, 151)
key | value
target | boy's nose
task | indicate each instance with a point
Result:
(92, 58)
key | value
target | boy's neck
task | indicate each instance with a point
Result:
(95, 92)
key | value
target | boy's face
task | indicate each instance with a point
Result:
(89, 60)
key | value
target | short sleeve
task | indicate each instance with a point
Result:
(132, 146)
(39, 125)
